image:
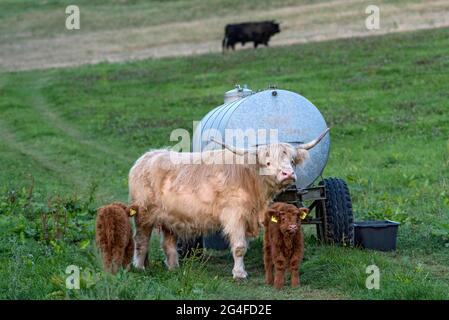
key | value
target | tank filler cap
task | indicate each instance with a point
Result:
(237, 93)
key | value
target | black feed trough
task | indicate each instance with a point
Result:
(376, 235)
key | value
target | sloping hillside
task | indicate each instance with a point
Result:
(123, 30)
(77, 132)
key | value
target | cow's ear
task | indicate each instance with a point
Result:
(301, 156)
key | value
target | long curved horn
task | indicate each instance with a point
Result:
(239, 152)
(314, 142)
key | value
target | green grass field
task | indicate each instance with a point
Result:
(42, 18)
(76, 133)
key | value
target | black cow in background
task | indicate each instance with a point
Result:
(257, 32)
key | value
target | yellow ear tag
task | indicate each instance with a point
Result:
(274, 219)
(132, 212)
(303, 215)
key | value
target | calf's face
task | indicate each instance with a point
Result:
(288, 217)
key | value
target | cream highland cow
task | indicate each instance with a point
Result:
(189, 199)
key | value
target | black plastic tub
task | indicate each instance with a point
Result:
(376, 235)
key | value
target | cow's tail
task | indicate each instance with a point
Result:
(224, 43)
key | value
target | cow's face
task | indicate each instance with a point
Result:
(279, 160)
(276, 28)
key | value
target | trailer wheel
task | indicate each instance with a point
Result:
(338, 217)
(190, 247)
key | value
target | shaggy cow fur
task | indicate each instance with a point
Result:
(201, 192)
(114, 235)
(283, 243)
(192, 199)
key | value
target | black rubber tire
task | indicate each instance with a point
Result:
(339, 226)
(191, 247)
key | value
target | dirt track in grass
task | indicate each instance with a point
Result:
(299, 24)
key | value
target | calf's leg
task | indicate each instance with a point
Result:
(296, 259)
(168, 242)
(107, 260)
(267, 259)
(279, 265)
(294, 269)
(128, 252)
(118, 256)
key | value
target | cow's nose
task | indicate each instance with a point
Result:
(287, 174)
(292, 227)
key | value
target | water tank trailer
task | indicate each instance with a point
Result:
(296, 120)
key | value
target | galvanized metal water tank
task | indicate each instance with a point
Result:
(296, 119)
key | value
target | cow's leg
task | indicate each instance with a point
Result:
(223, 44)
(235, 230)
(141, 239)
(168, 242)
(239, 247)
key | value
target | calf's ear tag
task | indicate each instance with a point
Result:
(303, 214)
(132, 212)
(274, 219)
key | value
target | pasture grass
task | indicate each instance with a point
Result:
(42, 19)
(45, 19)
(75, 132)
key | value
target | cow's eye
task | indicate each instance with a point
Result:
(268, 163)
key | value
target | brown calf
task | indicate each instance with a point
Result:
(114, 235)
(283, 243)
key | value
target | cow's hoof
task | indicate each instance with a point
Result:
(240, 275)
(172, 267)
(138, 266)
(240, 279)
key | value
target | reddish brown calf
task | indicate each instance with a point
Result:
(283, 243)
(114, 235)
